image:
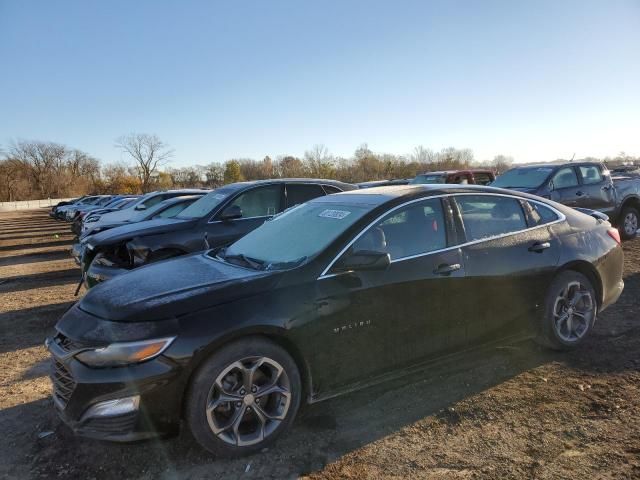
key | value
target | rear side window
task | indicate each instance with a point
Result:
(329, 189)
(486, 216)
(173, 210)
(539, 214)
(590, 174)
(482, 178)
(153, 201)
(301, 193)
(411, 230)
(565, 178)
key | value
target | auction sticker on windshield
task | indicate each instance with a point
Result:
(338, 214)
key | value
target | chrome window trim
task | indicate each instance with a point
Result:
(241, 218)
(561, 218)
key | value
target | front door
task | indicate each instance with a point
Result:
(400, 315)
(257, 206)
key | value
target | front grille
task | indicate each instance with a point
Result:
(63, 383)
(67, 344)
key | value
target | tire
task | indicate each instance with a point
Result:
(222, 381)
(629, 222)
(570, 311)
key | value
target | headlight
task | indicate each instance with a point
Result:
(120, 354)
(91, 219)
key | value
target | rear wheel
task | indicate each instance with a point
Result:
(629, 222)
(243, 397)
(570, 311)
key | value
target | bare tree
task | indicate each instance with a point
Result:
(148, 152)
(501, 163)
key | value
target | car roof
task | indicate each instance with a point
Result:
(379, 195)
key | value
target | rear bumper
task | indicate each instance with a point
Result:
(610, 268)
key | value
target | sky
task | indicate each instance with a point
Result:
(536, 80)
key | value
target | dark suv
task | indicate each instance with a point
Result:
(217, 219)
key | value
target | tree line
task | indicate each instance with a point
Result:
(37, 170)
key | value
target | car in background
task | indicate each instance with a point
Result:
(333, 295)
(74, 210)
(383, 183)
(581, 185)
(142, 203)
(217, 219)
(168, 208)
(465, 177)
(116, 204)
(61, 212)
(53, 211)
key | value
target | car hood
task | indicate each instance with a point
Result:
(174, 287)
(148, 227)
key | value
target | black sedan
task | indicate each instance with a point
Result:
(332, 295)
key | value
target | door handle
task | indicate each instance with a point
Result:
(446, 269)
(539, 247)
(579, 193)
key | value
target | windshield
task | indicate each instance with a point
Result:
(523, 177)
(293, 237)
(204, 205)
(437, 178)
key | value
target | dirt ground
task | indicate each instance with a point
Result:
(513, 411)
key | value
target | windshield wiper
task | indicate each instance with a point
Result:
(285, 265)
(254, 263)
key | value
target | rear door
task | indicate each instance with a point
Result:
(567, 189)
(598, 188)
(257, 204)
(509, 259)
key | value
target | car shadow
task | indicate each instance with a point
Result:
(34, 257)
(25, 246)
(322, 432)
(39, 280)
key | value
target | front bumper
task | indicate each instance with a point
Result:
(98, 273)
(77, 388)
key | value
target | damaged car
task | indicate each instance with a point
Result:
(335, 294)
(217, 219)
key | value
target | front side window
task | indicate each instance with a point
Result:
(565, 178)
(485, 216)
(259, 202)
(590, 174)
(207, 203)
(411, 230)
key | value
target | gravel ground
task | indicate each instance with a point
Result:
(512, 411)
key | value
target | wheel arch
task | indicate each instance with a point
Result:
(276, 335)
(589, 271)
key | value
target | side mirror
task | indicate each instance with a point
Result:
(550, 186)
(231, 213)
(365, 260)
(141, 207)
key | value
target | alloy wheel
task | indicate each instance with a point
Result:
(573, 312)
(248, 401)
(630, 223)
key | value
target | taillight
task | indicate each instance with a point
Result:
(613, 233)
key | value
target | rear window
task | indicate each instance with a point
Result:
(486, 216)
(539, 214)
(482, 178)
(523, 177)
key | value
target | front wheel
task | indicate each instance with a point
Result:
(243, 397)
(629, 221)
(570, 311)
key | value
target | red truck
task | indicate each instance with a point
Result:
(472, 176)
